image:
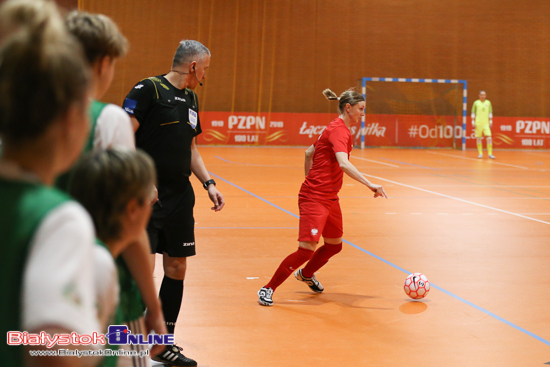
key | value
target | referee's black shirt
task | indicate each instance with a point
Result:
(168, 121)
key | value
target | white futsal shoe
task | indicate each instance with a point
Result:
(264, 296)
(312, 282)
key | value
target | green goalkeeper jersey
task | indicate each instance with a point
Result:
(482, 111)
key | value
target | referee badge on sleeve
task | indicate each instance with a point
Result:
(129, 105)
(192, 118)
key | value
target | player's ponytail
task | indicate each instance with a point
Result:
(350, 96)
(330, 95)
(42, 74)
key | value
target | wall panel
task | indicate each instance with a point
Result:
(279, 55)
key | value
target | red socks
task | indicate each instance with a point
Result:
(290, 264)
(320, 258)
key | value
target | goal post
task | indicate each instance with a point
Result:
(414, 112)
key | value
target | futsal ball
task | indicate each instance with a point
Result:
(417, 286)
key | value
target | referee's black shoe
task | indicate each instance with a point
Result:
(172, 356)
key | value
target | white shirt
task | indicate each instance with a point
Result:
(59, 280)
(114, 129)
(106, 286)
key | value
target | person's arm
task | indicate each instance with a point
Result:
(490, 114)
(350, 170)
(309, 158)
(135, 123)
(474, 114)
(139, 100)
(199, 170)
(137, 259)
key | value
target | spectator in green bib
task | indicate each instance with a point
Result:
(116, 187)
(47, 267)
(103, 45)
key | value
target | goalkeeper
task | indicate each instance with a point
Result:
(482, 121)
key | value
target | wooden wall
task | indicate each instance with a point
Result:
(279, 55)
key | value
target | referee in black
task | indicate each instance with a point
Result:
(165, 113)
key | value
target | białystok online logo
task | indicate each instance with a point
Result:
(116, 335)
(119, 334)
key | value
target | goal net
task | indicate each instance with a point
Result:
(406, 112)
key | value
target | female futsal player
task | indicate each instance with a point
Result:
(320, 214)
(47, 238)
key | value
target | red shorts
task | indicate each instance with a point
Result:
(319, 217)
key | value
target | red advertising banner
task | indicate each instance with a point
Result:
(242, 128)
(518, 132)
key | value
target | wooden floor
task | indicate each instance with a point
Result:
(479, 229)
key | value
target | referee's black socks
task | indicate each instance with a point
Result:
(171, 294)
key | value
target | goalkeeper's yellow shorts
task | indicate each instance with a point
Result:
(483, 130)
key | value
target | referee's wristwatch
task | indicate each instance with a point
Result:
(208, 183)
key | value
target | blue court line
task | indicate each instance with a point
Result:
(485, 311)
(256, 196)
(251, 164)
(221, 159)
(409, 164)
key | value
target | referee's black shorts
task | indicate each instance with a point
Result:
(171, 228)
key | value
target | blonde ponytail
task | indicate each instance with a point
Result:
(351, 96)
(330, 95)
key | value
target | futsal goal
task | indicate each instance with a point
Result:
(409, 112)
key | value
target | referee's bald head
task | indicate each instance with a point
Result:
(189, 51)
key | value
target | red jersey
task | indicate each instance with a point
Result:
(325, 176)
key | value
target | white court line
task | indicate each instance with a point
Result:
(370, 160)
(454, 198)
(543, 155)
(497, 186)
(477, 159)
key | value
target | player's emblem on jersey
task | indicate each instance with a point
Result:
(179, 99)
(192, 118)
(139, 86)
(314, 231)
